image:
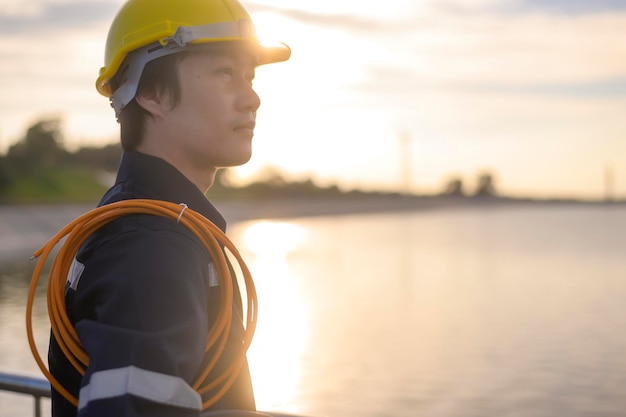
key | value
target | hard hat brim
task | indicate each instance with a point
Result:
(269, 54)
(266, 53)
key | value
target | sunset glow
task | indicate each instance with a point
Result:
(531, 91)
(280, 336)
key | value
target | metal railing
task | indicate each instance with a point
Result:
(38, 388)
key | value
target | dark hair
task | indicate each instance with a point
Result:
(158, 76)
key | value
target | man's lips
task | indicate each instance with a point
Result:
(245, 126)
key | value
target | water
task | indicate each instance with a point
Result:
(504, 311)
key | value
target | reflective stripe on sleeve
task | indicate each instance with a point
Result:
(153, 386)
(73, 276)
(214, 280)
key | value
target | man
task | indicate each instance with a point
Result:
(142, 292)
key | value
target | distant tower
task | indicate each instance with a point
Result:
(609, 183)
(405, 162)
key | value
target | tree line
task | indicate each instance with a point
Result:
(42, 151)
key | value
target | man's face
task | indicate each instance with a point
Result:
(213, 123)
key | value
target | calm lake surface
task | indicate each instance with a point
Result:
(500, 311)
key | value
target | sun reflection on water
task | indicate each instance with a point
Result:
(281, 334)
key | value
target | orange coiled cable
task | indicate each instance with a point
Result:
(80, 229)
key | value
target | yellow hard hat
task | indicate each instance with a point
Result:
(144, 30)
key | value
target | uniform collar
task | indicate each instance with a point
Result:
(155, 178)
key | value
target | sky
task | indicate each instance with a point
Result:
(394, 95)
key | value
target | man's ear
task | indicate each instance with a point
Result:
(155, 103)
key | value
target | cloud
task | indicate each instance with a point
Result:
(552, 7)
(535, 54)
(568, 7)
(56, 16)
(606, 88)
(342, 21)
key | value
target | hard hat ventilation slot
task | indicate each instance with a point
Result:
(155, 48)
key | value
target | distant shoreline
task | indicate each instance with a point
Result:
(240, 210)
(24, 228)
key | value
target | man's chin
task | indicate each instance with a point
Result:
(238, 161)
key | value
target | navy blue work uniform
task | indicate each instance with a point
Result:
(142, 294)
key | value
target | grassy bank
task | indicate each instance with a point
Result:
(61, 185)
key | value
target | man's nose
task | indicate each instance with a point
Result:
(250, 100)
